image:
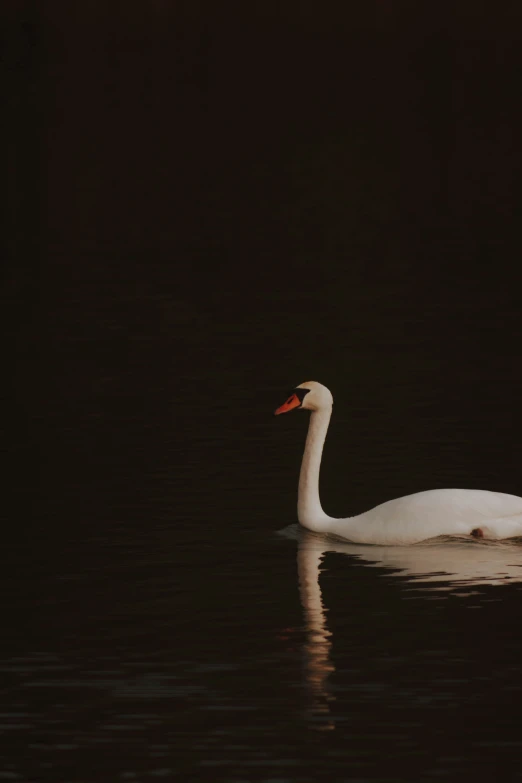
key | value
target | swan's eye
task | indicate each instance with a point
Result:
(301, 394)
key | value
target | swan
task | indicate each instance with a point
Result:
(406, 520)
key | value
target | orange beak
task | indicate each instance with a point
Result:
(292, 402)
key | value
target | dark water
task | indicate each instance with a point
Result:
(169, 635)
(226, 205)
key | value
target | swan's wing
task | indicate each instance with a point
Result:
(439, 512)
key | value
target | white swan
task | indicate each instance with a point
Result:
(407, 520)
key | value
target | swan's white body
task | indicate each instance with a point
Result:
(436, 512)
(406, 520)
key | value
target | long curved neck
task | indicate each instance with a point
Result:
(309, 511)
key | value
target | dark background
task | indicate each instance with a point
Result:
(209, 204)
(264, 193)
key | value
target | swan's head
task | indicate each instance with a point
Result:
(311, 396)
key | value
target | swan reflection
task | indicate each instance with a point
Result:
(441, 564)
(317, 646)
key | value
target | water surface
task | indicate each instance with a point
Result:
(228, 202)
